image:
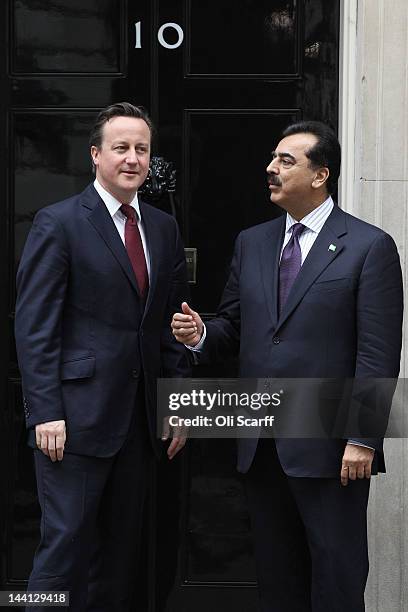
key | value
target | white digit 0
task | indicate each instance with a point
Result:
(179, 31)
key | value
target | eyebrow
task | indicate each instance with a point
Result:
(125, 142)
(281, 155)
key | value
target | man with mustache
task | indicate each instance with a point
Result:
(316, 293)
(100, 277)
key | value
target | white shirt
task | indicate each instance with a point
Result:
(313, 223)
(119, 219)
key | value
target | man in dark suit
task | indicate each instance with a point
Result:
(100, 277)
(316, 293)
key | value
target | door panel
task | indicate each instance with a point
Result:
(227, 144)
(220, 98)
(262, 39)
(65, 37)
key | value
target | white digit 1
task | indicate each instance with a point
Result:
(179, 32)
(138, 32)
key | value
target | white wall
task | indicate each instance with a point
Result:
(374, 131)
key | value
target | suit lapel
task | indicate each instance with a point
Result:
(269, 253)
(318, 258)
(101, 220)
(154, 244)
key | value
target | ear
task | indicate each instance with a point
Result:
(94, 154)
(321, 176)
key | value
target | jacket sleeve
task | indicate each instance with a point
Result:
(379, 337)
(41, 288)
(223, 332)
(176, 360)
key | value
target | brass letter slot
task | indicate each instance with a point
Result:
(191, 260)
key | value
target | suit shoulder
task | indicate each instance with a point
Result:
(61, 209)
(156, 212)
(359, 224)
(364, 230)
(257, 232)
(158, 217)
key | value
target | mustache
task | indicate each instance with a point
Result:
(274, 180)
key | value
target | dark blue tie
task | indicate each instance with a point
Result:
(290, 264)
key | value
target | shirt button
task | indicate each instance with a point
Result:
(276, 340)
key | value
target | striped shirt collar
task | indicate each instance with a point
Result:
(315, 220)
(111, 203)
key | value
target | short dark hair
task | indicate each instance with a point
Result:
(120, 109)
(325, 153)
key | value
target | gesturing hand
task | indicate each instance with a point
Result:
(50, 438)
(187, 326)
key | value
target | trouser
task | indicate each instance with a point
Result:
(92, 510)
(310, 538)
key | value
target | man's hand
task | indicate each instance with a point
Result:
(50, 438)
(356, 463)
(187, 326)
(179, 437)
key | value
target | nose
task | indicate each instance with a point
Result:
(131, 157)
(272, 168)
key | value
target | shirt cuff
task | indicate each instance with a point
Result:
(359, 444)
(197, 348)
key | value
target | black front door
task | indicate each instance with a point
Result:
(221, 79)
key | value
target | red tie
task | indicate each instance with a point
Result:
(134, 248)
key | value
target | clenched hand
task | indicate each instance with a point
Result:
(356, 463)
(50, 438)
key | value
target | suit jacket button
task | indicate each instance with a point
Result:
(276, 340)
(135, 374)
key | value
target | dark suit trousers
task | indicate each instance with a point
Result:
(310, 538)
(92, 510)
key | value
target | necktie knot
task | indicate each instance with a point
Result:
(297, 229)
(129, 212)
